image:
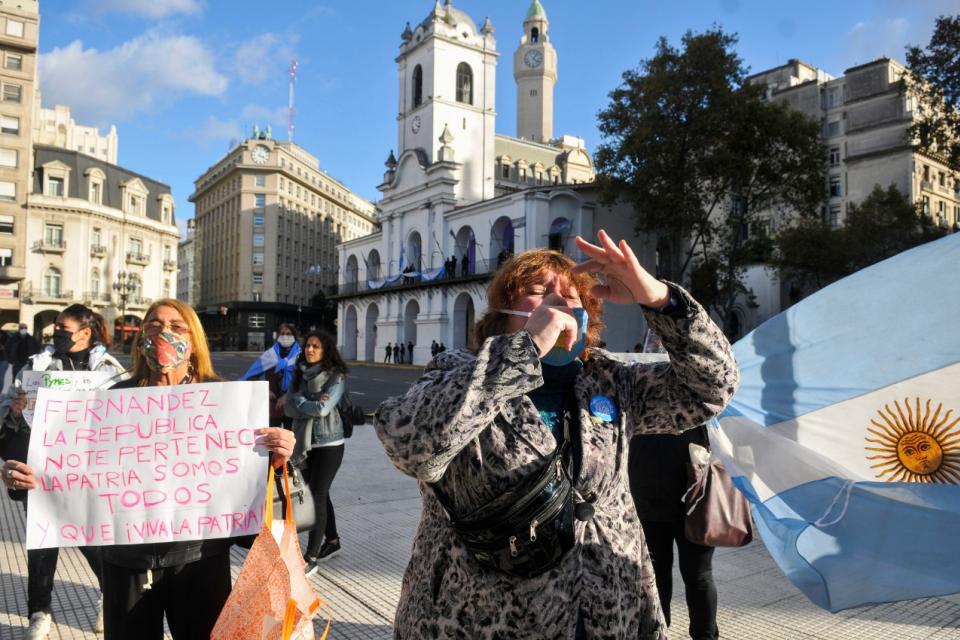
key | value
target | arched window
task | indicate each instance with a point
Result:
(417, 86)
(535, 35)
(464, 83)
(559, 230)
(51, 282)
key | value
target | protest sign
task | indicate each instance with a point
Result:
(147, 464)
(31, 381)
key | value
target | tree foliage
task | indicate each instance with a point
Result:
(703, 157)
(812, 255)
(934, 78)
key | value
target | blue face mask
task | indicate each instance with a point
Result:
(558, 356)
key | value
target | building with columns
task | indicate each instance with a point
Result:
(457, 193)
(56, 128)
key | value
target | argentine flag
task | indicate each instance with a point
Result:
(845, 433)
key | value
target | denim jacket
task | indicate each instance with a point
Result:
(315, 422)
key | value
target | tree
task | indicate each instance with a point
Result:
(812, 255)
(328, 310)
(934, 80)
(705, 161)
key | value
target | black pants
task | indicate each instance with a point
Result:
(41, 569)
(695, 569)
(322, 466)
(192, 595)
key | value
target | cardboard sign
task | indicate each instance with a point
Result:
(147, 464)
(62, 380)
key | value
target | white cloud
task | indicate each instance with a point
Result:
(214, 129)
(155, 9)
(150, 70)
(268, 55)
(867, 41)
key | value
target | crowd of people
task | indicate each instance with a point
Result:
(533, 409)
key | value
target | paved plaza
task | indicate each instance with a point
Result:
(377, 512)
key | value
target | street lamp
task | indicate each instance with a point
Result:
(125, 285)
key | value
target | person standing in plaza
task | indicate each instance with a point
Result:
(410, 352)
(658, 480)
(19, 349)
(80, 342)
(396, 353)
(532, 406)
(389, 353)
(277, 364)
(319, 382)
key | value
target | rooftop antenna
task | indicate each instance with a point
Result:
(290, 109)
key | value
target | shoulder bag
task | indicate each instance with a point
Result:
(301, 500)
(717, 514)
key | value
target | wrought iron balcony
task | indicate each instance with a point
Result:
(169, 265)
(50, 246)
(98, 250)
(135, 257)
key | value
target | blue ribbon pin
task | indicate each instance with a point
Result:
(604, 408)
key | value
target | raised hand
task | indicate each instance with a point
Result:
(626, 281)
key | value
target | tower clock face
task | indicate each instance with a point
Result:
(415, 124)
(260, 154)
(533, 58)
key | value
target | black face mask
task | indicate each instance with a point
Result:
(62, 341)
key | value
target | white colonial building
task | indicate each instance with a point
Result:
(457, 192)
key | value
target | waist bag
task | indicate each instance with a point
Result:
(530, 535)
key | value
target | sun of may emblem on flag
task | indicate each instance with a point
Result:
(913, 446)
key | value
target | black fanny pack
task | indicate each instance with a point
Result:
(533, 533)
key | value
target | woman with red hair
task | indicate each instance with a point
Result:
(520, 446)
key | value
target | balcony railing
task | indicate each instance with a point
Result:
(50, 246)
(138, 302)
(428, 277)
(55, 297)
(169, 265)
(98, 250)
(926, 184)
(96, 297)
(135, 257)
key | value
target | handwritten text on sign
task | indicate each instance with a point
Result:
(147, 464)
(32, 381)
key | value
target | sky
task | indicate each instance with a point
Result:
(184, 79)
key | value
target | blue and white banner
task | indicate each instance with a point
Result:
(270, 360)
(845, 433)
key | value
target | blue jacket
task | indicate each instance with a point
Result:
(315, 422)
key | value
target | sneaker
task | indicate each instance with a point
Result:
(329, 549)
(40, 624)
(312, 565)
(98, 625)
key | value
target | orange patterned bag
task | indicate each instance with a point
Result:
(272, 598)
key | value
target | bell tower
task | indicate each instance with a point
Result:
(535, 71)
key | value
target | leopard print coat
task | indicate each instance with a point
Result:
(467, 427)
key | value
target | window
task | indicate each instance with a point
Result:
(941, 209)
(96, 194)
(12, 92)
(834, 216)
(943, 179)
(506, 171)
(523, 174)
(257, 320)
(166, 253)
(95, 283)
(53, 235)
(417, 86)
(834, 156)
(13, 62)
(833, 129)
(260, 200)
(55, 187)
(95, 237)
(258, 258)
(534, 35)
(926, 205)
(14, 28)
(6, 224)
(260, 180)
(926, 173)
(136, 205)
(9, 124)
(258, 239)
(258, 220)
(464, 83)
(51, 282)
(835, 186)
(6, 257)
(135, 246)
(166, 288)
(258, 278)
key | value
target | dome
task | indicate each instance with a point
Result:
(536, 10)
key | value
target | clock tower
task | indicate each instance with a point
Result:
(535, 70)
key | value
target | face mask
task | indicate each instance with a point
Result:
(165, 351)
(558, 356)
(23, 332)
(285, 341)
(62, 341)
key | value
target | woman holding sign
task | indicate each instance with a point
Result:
(80, 342)
(189, 581)
(520, 447)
